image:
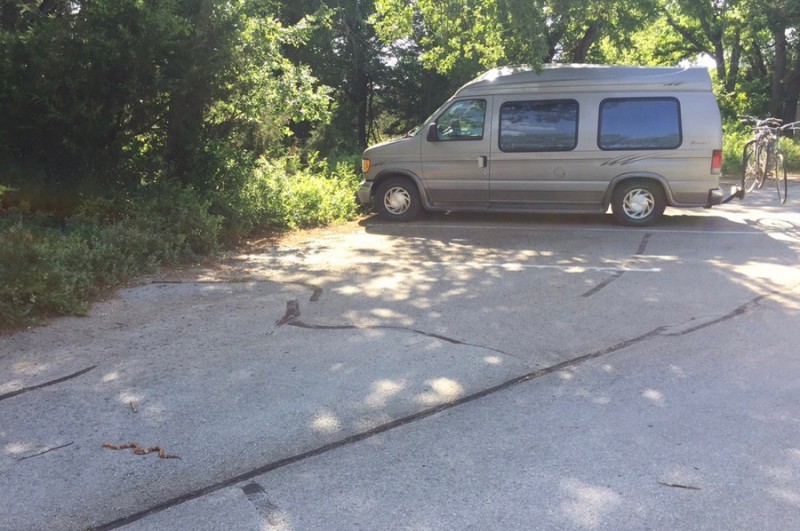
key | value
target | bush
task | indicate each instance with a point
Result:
(281, 195)
(44, 272)
(51, 265)
(57, 270)
(792, 150)
(736, 135)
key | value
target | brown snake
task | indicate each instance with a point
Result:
(139, 450)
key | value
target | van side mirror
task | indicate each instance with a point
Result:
(433, 133)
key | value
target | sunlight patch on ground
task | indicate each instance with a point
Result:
(18, 448)
(589, 504)
(655, 396)
(10, 387)
(382, 390)
(442, 390)
(326, 422)
(787, 496)
(30, 368)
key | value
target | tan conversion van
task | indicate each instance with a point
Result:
(571, 138)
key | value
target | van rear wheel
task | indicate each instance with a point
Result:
(638, 203)
(397, 199)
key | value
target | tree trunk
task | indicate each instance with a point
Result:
(792, 93)
(581, 51)
(776, 103)
(362, 101)
(733, 68)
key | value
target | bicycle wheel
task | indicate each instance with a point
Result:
(762, 164)
(780, 177)
(749, 167)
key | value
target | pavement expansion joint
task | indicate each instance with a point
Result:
(661, 331)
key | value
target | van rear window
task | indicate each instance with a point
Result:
(640, 123)
(538, 126)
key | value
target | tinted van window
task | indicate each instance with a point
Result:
(463, 120)
(640, 123)
(538, 126)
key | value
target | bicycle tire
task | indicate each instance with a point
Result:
(749, 167)
(781, 182)
(762, 164)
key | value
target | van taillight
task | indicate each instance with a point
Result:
(716, 161)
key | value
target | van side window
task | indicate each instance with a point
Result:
(463, 120)
(640, 123)
(538, 126)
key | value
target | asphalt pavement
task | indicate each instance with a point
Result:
(455, 372)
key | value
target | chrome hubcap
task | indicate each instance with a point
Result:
(638, 203)
(397, 200)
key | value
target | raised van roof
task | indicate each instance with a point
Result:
(587, 78)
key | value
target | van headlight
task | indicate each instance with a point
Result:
(365, 164)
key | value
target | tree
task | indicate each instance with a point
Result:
(783, 23)
(109, 94)
(567, 31)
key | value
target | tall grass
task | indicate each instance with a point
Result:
(51, 266)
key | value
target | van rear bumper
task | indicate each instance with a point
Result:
(715, 197)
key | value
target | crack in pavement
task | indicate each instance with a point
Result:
(639, 252)
(661, 331)
(643, 244)
(47, 384)
(603, 284)
(53, 449)
(300, 324)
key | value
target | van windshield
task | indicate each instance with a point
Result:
(416, 130)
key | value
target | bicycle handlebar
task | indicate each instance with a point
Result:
(793, 126)
(766, 122)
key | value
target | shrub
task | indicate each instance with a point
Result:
(736, 135)
(57, 270)
(181, 217)
(792, 150)
(43, 272)
(50, 265)
(281, 195)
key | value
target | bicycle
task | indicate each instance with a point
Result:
(758, 153)
(781, 182)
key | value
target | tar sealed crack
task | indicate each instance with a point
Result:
(661, 331)
(603, 284)
(446, 339)
(292, 313)
(53, 449)
(47, 384)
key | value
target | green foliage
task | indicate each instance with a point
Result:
(57, 270)
(56, 267)
(453, 31)
(110, 94)
(736, 135)
(41, 274)
(283, 195)
(792, 149)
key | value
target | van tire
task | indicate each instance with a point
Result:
(638, 203)
(397, 199)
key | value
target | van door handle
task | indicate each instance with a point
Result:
(483, 161)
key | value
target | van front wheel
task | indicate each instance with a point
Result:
(638, 203)
(397, 199)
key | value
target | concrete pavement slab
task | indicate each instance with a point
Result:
(697, 431)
